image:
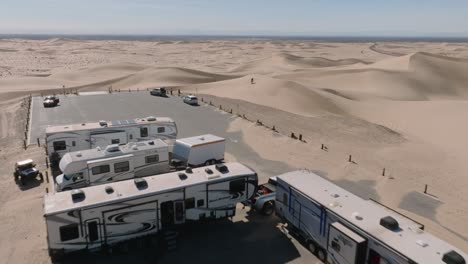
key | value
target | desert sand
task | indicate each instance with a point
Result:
(394, 105)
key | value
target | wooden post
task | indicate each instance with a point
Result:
(300, 137)
(47, 176)
(47, 162)
(350, 158)
(129, 90)
(425, 189)
(230, 111)
(38, 142)
(292, 135)
(383, 172)
(24, 144)
(274, 128)
(220, 108)
(47, 190)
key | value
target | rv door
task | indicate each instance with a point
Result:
(93, 233)
(179, 215)
(345, 246)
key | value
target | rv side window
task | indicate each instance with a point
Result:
(73, 144)
(69, 232)
(285, 199)
(237, 186)
(100, 169)
(143, 131)
(200, 203)
(161, 129)
(93, 234)
(130, 137)
(189, 203)
(152, 159)
(60, 145)
(115, 141)
(121, 166)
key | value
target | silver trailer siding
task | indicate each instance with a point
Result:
(341, 227)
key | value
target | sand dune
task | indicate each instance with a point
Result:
(288, 62)
(280, 94)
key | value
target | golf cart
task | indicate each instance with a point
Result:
(26, 169)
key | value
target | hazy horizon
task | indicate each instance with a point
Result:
(366, 18)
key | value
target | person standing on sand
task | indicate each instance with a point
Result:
(252, 81)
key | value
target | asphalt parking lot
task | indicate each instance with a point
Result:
(190, 120)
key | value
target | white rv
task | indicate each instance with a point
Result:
(67, 138)
(340, 227)
(114, 163)
(200, 150)
(105, 215)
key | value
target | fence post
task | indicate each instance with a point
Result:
(383, 172)
(300, 137)
(24, 144)
(350, 158)
(47, 162)
(38, 142)
(425, 189)
(47, 176)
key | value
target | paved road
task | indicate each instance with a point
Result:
(190, 120)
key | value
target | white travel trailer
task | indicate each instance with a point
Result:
(200, 150)
(67, 138)
(340, 227)
(114, 163)
(105, 215)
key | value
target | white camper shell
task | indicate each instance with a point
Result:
(67, 138)
(104, 215)
(200, 150)
(114, 163)
(341, 228)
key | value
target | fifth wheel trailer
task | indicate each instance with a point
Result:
(342, 228)
(67, 138)
(105, 215)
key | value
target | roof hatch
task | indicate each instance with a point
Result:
(221, 168)
(77, 195)
(141, 183)
(390, 223)
(453, 257)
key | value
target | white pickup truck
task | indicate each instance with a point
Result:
(264, 199)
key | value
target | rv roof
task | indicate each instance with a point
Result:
(200, 140)
(97, 125)
(407, 240)
(98, 153)
(123, 190)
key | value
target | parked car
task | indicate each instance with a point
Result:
(264, 199)
(51, 101)
(26, 169)
(159, 92)
(191, 100)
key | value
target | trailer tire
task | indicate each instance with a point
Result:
(23, 181)
(268, 208)
(321, 254)
(66, 189)
(41, 176)
(312, 247)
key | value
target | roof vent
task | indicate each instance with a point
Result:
(151, 118)
(453, 257)
(209, 171)
(103, 123)
(109, 189)
(357, 216)
(78, 154)
(141, 183)
(98, 148)
(151, 143)
(182, 176)
(390, 223)
(112, 148)
(422, 243)
(188, 170)
(221, 168)
(335, 195)
(77, 195)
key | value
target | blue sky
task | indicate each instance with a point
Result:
(257, 17)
